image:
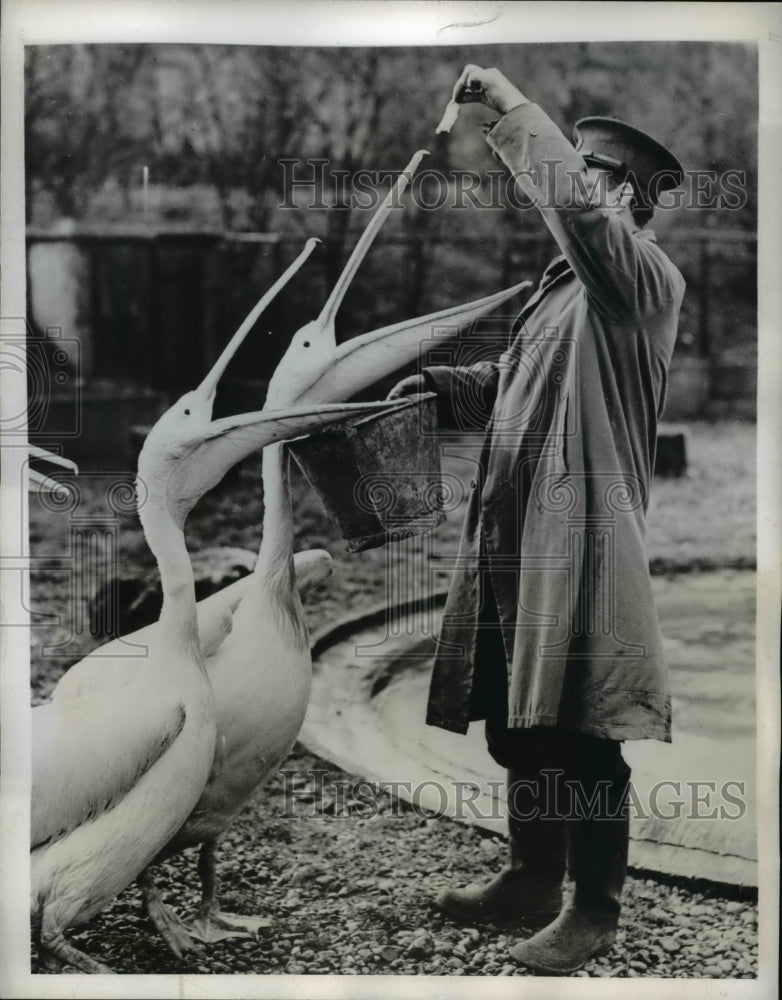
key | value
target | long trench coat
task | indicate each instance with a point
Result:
(556, 519)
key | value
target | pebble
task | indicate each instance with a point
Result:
(384, 923)
(421, 946)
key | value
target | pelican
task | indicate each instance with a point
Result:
(45, 484)
(117, 770)
(260, 665)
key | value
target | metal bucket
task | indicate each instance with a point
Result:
(378, 476)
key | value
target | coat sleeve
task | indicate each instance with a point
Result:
(465, 394)
(627, 279)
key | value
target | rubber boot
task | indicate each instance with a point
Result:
(529, 888)
(587, 926)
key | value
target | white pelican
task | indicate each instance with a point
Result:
(260, 665)
(44, 483)
(117, 770)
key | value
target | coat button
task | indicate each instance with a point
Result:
(473, 484)
(533, 131)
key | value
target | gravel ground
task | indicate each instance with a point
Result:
(347, 887)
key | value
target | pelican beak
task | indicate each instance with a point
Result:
(311, 351)
(230, 439)
(366, 359)
(325, 321)
(251, 432)
(208, 386)
(44, 483)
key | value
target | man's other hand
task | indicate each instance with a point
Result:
(410, 386)
(489, 87)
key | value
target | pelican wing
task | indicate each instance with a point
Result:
(87, 755)
(114, 664)
(215, 615)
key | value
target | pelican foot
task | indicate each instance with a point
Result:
(174, 931)
(214, 925)
(49, 960)
(57, 952)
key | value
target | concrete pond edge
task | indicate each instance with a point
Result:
(352, 623)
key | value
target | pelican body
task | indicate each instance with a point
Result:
(115, 775)
(138, 783)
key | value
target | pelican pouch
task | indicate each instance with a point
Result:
(378, 476)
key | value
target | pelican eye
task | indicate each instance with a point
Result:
(306, 343)
(187, 413)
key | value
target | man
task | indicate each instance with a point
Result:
(549, 631)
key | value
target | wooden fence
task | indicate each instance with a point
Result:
(153, 309)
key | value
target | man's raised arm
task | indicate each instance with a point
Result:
(626, 277)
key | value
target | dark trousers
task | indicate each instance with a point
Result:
(571, 768)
